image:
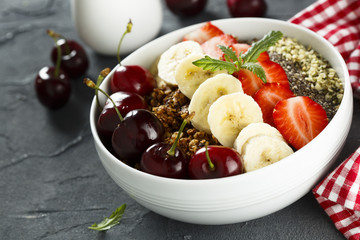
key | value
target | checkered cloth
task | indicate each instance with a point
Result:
(339, 195)
(338, 21)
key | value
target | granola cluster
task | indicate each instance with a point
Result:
(171, 107)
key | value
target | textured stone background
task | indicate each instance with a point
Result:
(52, 184)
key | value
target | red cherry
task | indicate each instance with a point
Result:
(74, 61)
(137, 131)
(51, 90)
(224, 162)
(165, 160)
(157, 161)
(125, 102)
(132, 78)
(247, 8)
(186, 7)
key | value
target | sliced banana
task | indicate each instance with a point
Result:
(207, 93)
(189, 77)
(170, 59)
(254, 130)
(229, 114)
(262, 151)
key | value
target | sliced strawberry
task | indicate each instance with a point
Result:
(274, 72)
(243, 47)
(251, 83)
(268, 96)
(211, 48)
(204, 33)
(299, 120)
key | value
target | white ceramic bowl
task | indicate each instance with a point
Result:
(250, 195)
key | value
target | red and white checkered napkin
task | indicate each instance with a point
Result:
(339, 195)
(338, 21)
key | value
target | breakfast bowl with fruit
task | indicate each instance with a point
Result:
(225, 121)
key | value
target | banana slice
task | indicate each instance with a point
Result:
(262, 151)
(254, 130)
(189, 77)
(207, 93)
(170, 59)
(229, 114)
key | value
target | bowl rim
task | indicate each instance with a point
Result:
(347, 95)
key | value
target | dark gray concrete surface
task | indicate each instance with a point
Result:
(52, 184)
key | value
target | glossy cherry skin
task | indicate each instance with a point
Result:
(125, 102)
(247, 8)
(74, 60)
(155, 160)
(227, 162)
(132, 78)
(53, 92)
(186, 7)
(139, 130)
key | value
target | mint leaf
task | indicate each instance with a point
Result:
(229, 53)
(208, 63)
(234, 63)
(113, 220)
(261, 46)
(255, 68)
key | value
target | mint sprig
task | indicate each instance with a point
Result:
(111, 221)
(234, 63)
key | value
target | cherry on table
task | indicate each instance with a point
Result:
(186, 7)
(131, 78)
(74, 60)
(165, 160)
(247, 8)
(138, 130)
(52, 89)
(215, 162)
(52, 86)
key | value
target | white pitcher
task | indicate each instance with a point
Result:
(101, 23)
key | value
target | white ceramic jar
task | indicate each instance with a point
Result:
(101, 23)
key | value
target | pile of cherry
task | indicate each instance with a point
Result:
(137, 138)
(52, 84)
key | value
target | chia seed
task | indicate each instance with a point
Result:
(309, 74)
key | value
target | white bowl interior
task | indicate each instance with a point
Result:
(250, 195)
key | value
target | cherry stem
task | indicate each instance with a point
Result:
(92, 85)
(211, 165)
(100, 78)
(171, 151)
(55, 37)
(128, 30)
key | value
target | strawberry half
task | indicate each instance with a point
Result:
(251, 83)
(274, 72)
(243, 47)
(268, 96)
(299, 120)
(211, 48)
(204, 33)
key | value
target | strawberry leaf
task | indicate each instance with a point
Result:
(208, 63)
(261, 46)
(255, 68)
